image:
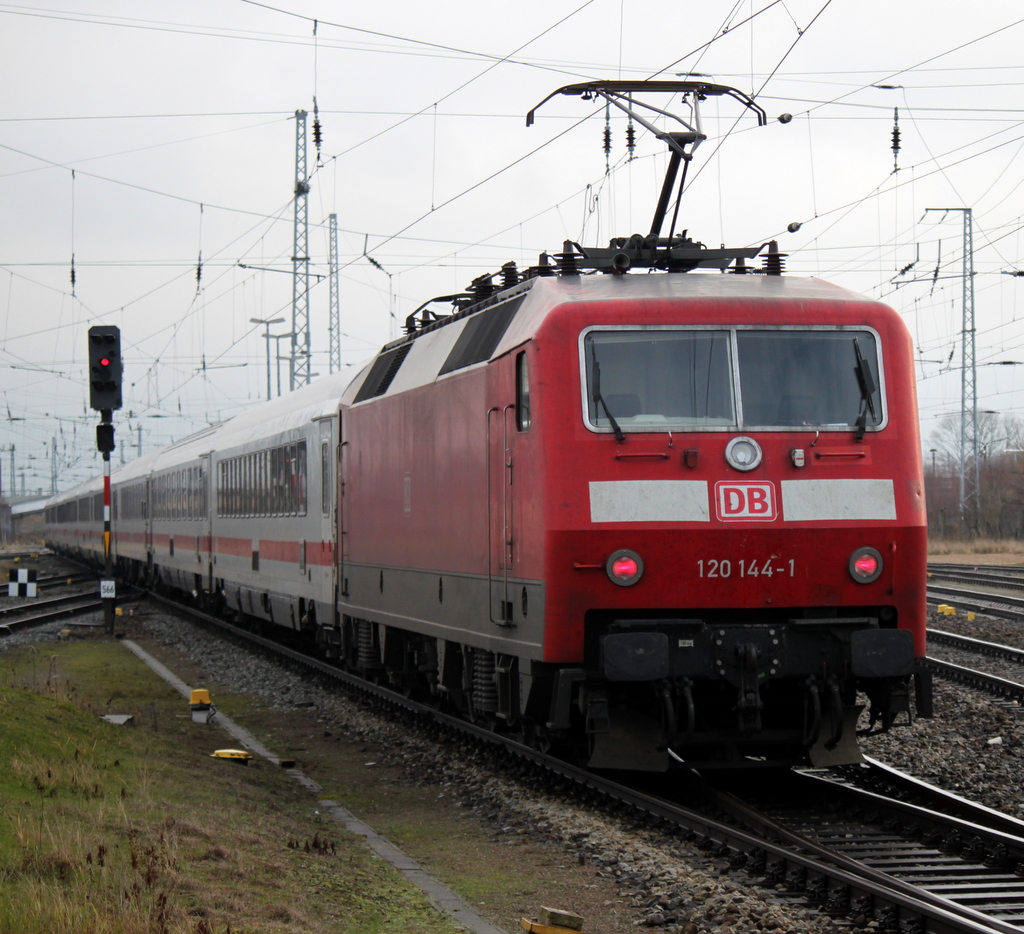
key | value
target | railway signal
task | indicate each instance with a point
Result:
(105, 395)
(105, 368)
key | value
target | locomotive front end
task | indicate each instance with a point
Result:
(747, 572)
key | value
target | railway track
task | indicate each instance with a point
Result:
(25, 616)
(938, 843)
(991, 575)
(1001, 605)
(769, 852)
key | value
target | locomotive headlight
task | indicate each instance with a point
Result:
(743, 453)
(865, 565)
(624, 567)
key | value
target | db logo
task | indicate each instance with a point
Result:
(738, 500)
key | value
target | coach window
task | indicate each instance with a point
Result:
(522, 393)
(325, 478)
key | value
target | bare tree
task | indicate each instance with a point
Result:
(997, 508)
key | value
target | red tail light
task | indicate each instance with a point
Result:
(625, 567)
(865, 565)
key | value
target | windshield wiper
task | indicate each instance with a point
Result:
(867, 391)
(619, 436)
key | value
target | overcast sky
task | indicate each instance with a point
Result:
(136, 137)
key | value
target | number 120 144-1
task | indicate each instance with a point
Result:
(723, 567)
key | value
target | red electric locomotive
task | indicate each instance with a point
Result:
(639, 512)
(659, 517)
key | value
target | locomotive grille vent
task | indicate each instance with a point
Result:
(382, 373)
(480, 336)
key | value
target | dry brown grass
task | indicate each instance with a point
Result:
(977, 546)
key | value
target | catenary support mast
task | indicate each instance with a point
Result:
(970, 481)
(334, 361)
(299, 365)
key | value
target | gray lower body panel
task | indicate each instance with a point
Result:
(466, 608)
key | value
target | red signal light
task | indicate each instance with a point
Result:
(624, 567)
(105, 361)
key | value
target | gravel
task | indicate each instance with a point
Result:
(974, 746)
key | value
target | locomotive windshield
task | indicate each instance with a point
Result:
(668, 379)
(659, 378)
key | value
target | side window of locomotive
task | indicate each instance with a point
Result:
(819, 379)
(325, 478)
(658, 380)
(522, 393)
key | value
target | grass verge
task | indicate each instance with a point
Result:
(118, 830)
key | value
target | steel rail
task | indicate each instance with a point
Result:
(40, 604)
(847, 882)
(1000, 687)
(944, 801)
(89, 602)
(978, 646)
(770, 826)
(1017, 569)
(978, 576)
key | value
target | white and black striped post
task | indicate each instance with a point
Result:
(108, 592)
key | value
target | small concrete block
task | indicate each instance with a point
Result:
(119, 719)
(558, 917)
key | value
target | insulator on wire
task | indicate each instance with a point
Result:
(317, 132)
(73, 277)
(199, 270)
(895, 138)
(630, 139)
(607, 139)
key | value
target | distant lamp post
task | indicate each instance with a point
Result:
(277, 355)
(934, 451)
(267, 335)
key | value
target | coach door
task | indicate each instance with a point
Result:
(147, 520)
(339, 537)
(500, 432)
(326, 565)
(205, 543)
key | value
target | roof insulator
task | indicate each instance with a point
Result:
(543, 267)
(482, 287)
(567, 260)
(509, 275)
(774, 261)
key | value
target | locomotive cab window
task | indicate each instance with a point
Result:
(721, 379)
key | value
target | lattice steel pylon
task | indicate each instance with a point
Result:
(970, 480)
(334, 322)
(299, 366)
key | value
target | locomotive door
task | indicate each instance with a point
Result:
(500, 535)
